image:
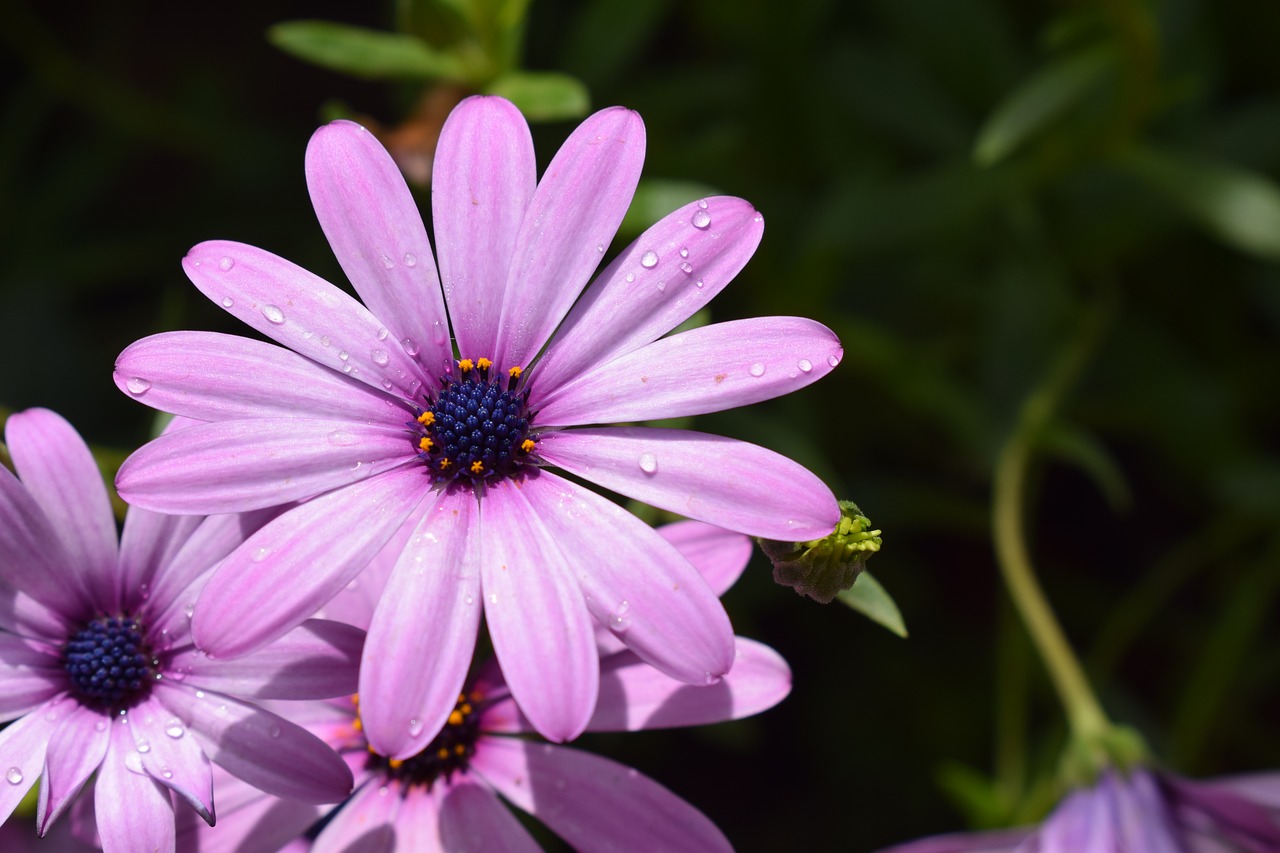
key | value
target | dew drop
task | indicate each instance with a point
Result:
(137, 385)
(346, 368)
(648, 463)
(469, 600)
(686, 267)
(493, 598)
(757, 369)
(699, 283)
(100, 726)
(133, 763)
(701, 219)
(273, 314)
(387, 262)
(226, 264)
(684, 251)
(344, 355)
(600, 248)
(342, 438)
(805, 365)
(415, 727)
(379, 356)
(386, 383)
(174, 729)
(200, 693)
(702, 204)
(649, 259)
(710, 678)
(14, 775)
(273, 732)
(190, 610)
(662, 285)
(833, 360)
(410, 259)
(631, 277)
(227, 302)
(166, 773)
(261, 554)
(143, 746)
(410, 346)
(324, 340)
(382, 334)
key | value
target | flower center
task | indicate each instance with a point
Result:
(474, 429)
(445, 755)
(110, 663)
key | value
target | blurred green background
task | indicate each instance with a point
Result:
(953, 186)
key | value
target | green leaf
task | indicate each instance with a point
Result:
(1044, 97)
(360, 52)
(543, 96)
(871, 599)
(654, 199)
(1241, 207)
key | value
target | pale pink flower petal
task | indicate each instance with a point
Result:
(23, 744)
(367, 823)
(30, 673)
(134, 811)
(248, 821)
(169, 755)
(76, 748)
(719, 555)
(149, 543)
(35, 563)
(472, 818)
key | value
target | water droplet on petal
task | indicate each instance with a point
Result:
(190, 610)
(133, 763)
(100, 726)
(166, 773)
(700, 219)
(702, 203)
(600, 248)
(631, 277)
(684, 251)
(662, 285)
(833, 360)
(410, 259)
(648, 463)
(379, 356)
(14, 775)
(709, 678)
(698, 283)
(227, 302)
(649, 259)
(757, 369)
(273, 732)
(324, 340)
(387, 262)
(386, 383)
(410, 347)
(143, 746)
(344, 355)
(493, 598)
(137, 385)
(686, 267)
(415, 727)
(174, 729)
(258, 556)
(470, 599)
(273, 314)
(805, 365)
(226, 264)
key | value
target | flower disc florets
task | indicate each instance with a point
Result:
(447, 754)
(110, 663)
(475, 429)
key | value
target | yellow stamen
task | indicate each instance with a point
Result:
(484, 363)
(355, 698)
(425, 444)
(515, 372)
(445, 463)
(456, 718)
(527, 445)
(427, 418)
(466, 708)
(395, 762)
(442, 753)
(465, 365)
(460, 749)
(477, 467)
(357, 725)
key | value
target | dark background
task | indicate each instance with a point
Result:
(132, 131)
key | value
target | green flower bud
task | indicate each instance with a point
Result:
(824, 567)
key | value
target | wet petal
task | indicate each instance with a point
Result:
(263, 749)
(366, 822)
(589, 801)
(169, 755)
(76, 748)
(287, 570)
(23, 744)
(62, 476)
(304, 312)
(542, 634)
(316, 660)
(423, 632)
(636, 583)
(624, 308)
(719, 555)
(134, 811)
(376, 231)
(35, 563)
(32, 674)
(482, 183)
(708, 369)
(234, 466)
(215, 377)
(718, 480)
(571, 220)
(249, 821)
(472, 818)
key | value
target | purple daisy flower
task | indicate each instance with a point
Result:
(1141, 812)
(373, 419)
(447, 797)
(97, 668)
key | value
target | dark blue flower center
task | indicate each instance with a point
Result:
(475, 430)
(110, 663)
(447, 754)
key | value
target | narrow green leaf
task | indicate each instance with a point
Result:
(1045, 96)
(1241, 207)
(360, 52)
(654, 199)
(871, 599)
(543, 96)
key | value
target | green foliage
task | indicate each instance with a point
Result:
(543, 96)
(365, 53)
(872, 600)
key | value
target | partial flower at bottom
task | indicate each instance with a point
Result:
(98, 673)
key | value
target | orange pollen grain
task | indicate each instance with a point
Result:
(427, 418)
(527, 445)
(515, 372)
(442, 753)
(465, 365)
(425, 443)
(484, 363)
(456, 718)
(477, 467)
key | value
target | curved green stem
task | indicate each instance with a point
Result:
(1084, 713)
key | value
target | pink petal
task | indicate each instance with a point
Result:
(169, 756)
(316, 660)
(263, 749)
(537, 619)
(233, 466)
(472, 818)
(634, 695)
(32, 673)
(574, 213)
(588, 800)
(482, 183)
(288, 569)
(999, 841)
(719, 555)
(624, 308)
(423, 632)
(35, 562)
(708, 369)
(76, 748)
(635, 582)
(366, 823)
(304, 312)
(23, 743)
(214, 377)
(135, 812)
(419, 818)
(375, 229)
(248, 820)
(718, 480)
(148, 546)
(62, 476)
